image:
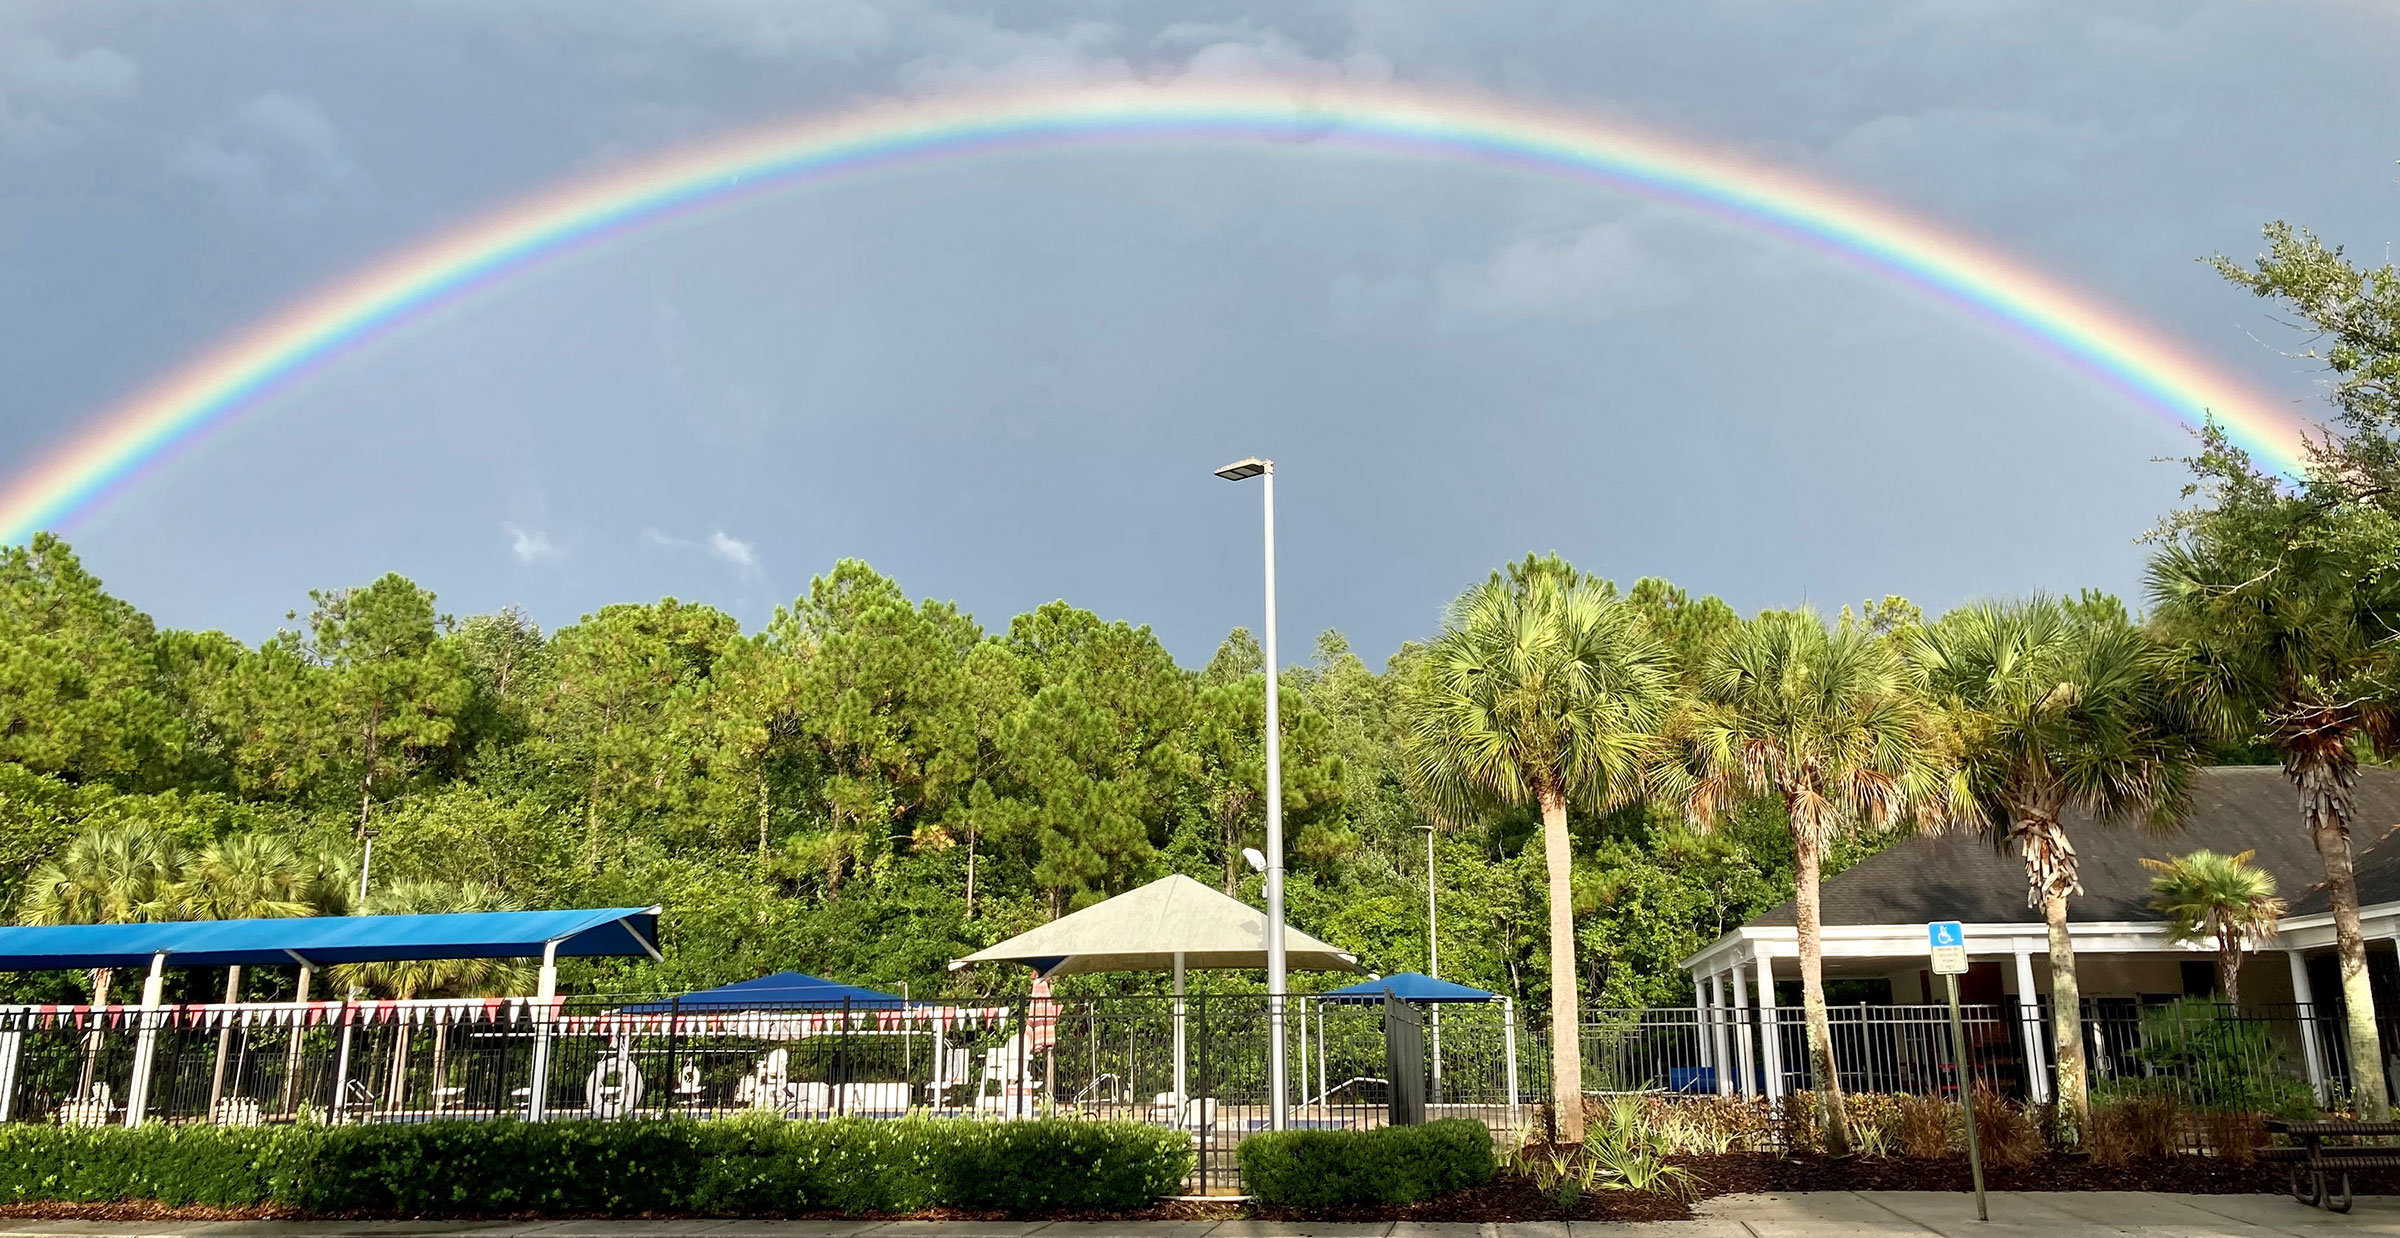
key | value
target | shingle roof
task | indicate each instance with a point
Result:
(1962, 876)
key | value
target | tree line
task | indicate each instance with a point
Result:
(869, 786)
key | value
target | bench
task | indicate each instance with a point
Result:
(2315, 1162)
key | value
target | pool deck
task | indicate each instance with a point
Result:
(1824, 1214)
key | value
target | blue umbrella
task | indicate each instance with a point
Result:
(1408, 986)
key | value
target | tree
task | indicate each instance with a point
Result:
(79, 691)
(1824, 722)
(604, 726)
(2208, 897)
(2283, 602)
(1541, 690)
(253, 876)
(1231, 724)
(2058, 711)
(1101, 752)
(106, 876)
(359, 703)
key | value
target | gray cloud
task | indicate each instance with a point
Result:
(532, 545)
(276, 152)
(49, 95)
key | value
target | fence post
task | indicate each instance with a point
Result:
(674, 1078)
(341, 1065)
(841, 1062)
(12, 1046)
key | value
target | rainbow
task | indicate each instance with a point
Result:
(2013, 297)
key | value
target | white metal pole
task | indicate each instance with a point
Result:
(12, 1047)
(145, 1048)
(1279, 1107)
(1180, 1081)
(538, 1102)
(1433, 960)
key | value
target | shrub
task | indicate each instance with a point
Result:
(1386, 1165)
(738, 1167)
(2009, 1134)
(1921, 1126)
(224, 1167)
(2130, 1125)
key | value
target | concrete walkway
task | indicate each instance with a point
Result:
(1824, 1214)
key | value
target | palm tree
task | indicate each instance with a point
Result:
(251, 876)
(2285, 606)
(2058, 712)
(1827, 724)
(415, 978)
(1542, 689)
(2206, 895)
(105, 875)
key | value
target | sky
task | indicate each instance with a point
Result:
(1007, 380)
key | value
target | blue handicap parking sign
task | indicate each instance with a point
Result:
(1947, 933)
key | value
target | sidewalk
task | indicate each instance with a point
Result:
(1826, 1214)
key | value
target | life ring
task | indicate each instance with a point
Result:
(613, 1088)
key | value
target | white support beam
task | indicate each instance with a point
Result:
(1719, 1059)
(2029, 1017)
(2305, 998)
(537, 1107)
(1770, 1037)
(1747, 1084)
(145, 1045)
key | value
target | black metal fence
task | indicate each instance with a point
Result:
(1201, 1065)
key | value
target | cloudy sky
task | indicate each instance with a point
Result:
(1006, 381)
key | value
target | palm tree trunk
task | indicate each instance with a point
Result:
(2229, 965)
(2073, 1092)
(1566, 1021)
(1828, 1081)
(2324, 777)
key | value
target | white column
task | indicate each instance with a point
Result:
(1508, 1050)
(2029, 1015)
(2305, 998)
(1703, 1019)
(1770, 1032)
(145, 1048)
(1741, 1031)
(1718, 1034)
(1180, 1082)
(538, 1103)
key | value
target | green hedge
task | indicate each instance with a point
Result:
(738, 1167)
(1389, 1165)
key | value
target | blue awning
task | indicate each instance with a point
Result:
(1408, 986)
(782, 991)
(318, 941)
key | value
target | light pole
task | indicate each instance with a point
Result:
(1433, 957)
(1279, 1107)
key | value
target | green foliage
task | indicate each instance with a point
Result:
(868, 787)
(751, 1166)
(215, 1166)
(2214, 1060)
(1386, 1165)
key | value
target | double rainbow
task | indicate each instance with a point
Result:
(2005, 293)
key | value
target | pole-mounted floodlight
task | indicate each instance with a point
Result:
(1244, 470)
(1279, 1108)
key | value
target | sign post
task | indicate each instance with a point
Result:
(1947, 940)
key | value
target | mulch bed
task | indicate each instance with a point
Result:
(1505, 1198)
(1747, 1173)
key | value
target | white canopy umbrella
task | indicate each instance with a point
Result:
(1171, 925)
